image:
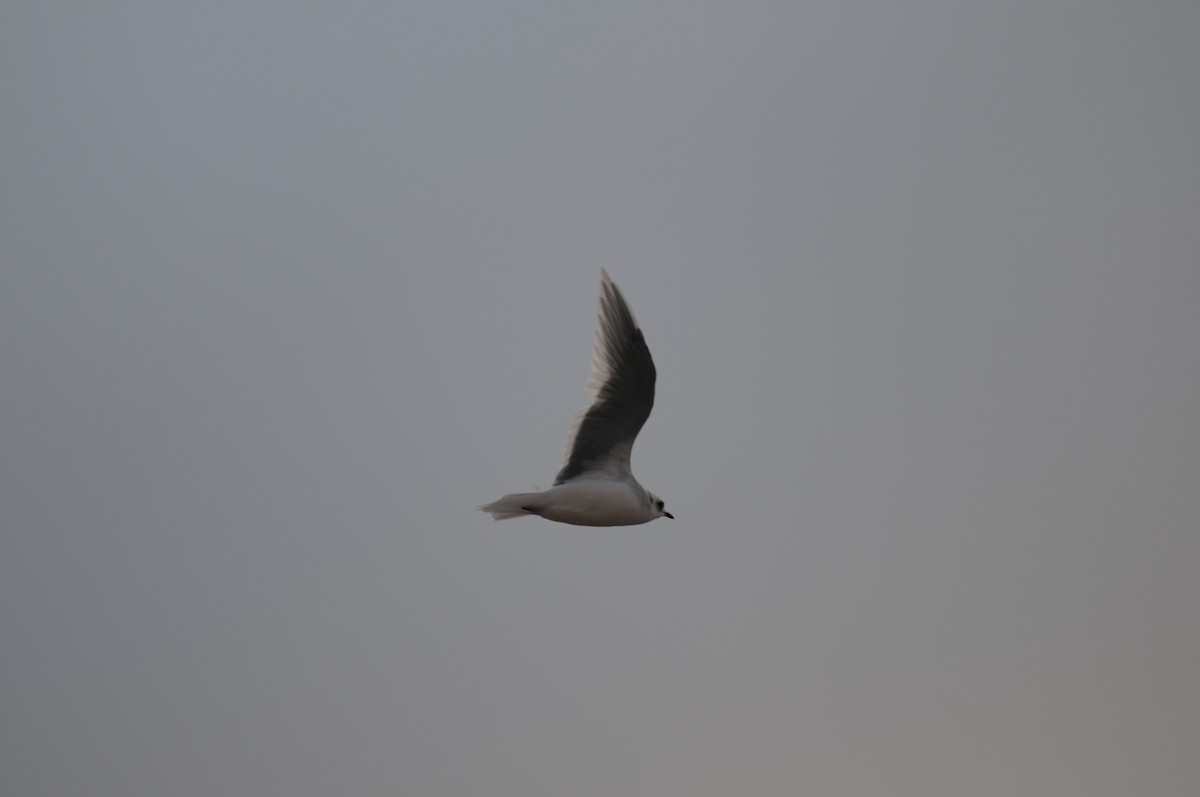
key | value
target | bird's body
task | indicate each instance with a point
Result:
(582, 502)
(595, 486)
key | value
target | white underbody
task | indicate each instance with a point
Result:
(583, 502)
(597, 502)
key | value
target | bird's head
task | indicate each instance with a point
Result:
(658, 505)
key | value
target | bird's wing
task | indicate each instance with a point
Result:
(622, 386)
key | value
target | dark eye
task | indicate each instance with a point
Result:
(660, 504)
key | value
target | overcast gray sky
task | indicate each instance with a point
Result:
(288, 289)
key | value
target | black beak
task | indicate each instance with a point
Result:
(668, 514)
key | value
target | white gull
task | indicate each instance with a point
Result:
(596, 486)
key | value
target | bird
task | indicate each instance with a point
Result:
(595, 486)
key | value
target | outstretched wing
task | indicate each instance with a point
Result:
(622, 385)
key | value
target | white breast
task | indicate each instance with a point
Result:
(597, 502)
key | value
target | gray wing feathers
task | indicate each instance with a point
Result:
(622, 384)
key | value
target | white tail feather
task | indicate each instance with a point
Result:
(511, 506)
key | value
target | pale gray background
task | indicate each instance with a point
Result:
(289, 288)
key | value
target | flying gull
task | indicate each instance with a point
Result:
(596, 486)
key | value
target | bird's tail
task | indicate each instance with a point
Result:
(512, 505)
